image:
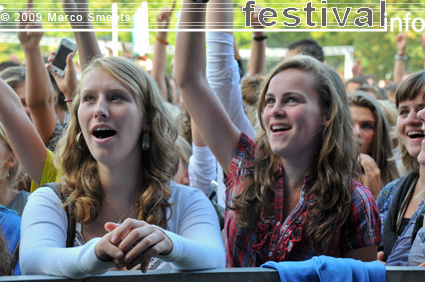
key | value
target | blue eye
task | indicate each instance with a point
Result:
(291, 100)
(117, 98)
(270, 101)
(88, 98)
(403, 113)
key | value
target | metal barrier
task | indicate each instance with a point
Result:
(394, 274)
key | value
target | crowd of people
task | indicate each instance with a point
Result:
(212, 166)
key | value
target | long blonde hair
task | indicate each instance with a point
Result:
(333, 169)
(159, 164)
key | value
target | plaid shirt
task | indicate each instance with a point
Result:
(280, 239)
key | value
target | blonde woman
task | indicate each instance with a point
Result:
(116, 161)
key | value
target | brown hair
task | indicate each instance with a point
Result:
(381, 147)
(332, 170)
(409, 90)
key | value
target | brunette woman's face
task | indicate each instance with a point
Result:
(364, 124)
(409, 126)
(292, 115)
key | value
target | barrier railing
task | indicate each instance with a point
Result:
(394, 274)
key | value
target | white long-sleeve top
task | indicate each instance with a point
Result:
(193, 229)
(223, 77)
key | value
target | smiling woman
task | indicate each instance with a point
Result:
(117, 159)
(291, 193)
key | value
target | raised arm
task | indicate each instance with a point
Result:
(159, 54)
(222, 68)
(87, 44)
(39, 91)
(205, 108)
(400, 57)
(257, 60)
(21, 133)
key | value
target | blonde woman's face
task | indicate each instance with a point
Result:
(110, 119)
(364, 124)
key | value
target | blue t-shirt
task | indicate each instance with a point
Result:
(10, 224)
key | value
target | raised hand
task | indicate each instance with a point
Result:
(67, 83)
(401, 40)
(34, 29)
(163, 18)
(357, 68)
(75, 9)
(372, 174)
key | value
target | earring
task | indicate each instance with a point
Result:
(146, 142)
(81, 144)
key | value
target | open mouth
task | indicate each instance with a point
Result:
(280, 127)
(416, 134)
(103, 133)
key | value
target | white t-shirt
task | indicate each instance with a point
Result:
(193, 229)
(223, 77)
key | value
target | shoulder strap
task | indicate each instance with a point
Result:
(70, 236)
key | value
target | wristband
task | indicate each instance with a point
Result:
(260, 37)
(160, 40)
(67, 100)
(402, 58)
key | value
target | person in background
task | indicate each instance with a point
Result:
(10, 175)
(10, 226)
(372, 133)
(399, 199)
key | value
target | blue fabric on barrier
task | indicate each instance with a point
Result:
(324, 268)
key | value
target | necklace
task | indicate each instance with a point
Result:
(120, 218)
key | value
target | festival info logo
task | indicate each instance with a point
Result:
(331, 16)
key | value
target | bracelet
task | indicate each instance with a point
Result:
(67, 100)
(260, 37)
(402, 58)
(160, 40)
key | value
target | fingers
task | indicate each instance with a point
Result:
(126, 227)
(111, 226)
(147, 247)
(69, 63)
(368, 162)
(140, 241)
(106, 251)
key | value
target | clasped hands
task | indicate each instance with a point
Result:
(132, 243)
